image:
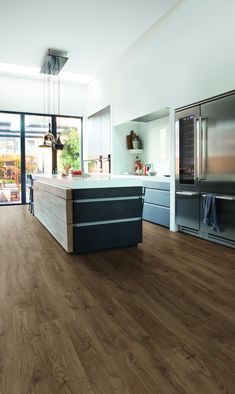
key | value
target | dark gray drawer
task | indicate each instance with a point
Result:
(98, 210)
(157, 214)
(159, 197)
(107, 192)
(187, 210)
(107, 236)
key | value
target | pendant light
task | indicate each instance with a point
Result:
(48, 139)
(52, 64)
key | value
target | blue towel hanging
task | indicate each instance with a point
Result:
(210, 212)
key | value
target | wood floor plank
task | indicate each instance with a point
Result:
(157, 318)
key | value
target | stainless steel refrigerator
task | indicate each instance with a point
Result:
(205, 164)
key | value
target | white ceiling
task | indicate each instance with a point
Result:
(93, 32)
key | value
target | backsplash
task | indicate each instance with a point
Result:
(155, 136)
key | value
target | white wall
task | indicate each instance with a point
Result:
(186, 57)
(122, 159)
(155, 150)
(27, 95)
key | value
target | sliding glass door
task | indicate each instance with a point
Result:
(20, 154)
(37, 160)
(10, 159)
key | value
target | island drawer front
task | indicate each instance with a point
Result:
(107, 236)
(159, 197)
(156, 185)
(107, 192)
(157, 214)
(96, 210)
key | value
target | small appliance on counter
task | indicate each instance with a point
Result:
(146, 168)
(151, 171)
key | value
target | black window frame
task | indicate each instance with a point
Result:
(22, 145)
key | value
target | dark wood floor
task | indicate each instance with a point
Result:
(154, 319)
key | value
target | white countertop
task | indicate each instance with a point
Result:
(156, 178)
(91, 182)
(98, 181)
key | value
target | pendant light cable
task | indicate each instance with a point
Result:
(48, 93)
(44, 100)
(54, 94)
(58, 88)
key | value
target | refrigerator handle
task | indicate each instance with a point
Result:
(198, 148)
(203, 161)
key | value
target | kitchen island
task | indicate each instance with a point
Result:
(86, 215)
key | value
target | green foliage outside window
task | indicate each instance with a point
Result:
(70, 155)
(2, 169)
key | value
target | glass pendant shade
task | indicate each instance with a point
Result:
(48, 136)
(44, 144)
(48, 139)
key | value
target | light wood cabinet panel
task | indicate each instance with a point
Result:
(53, 207)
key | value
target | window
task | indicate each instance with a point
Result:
(37, 160)
(20, 137)
(69, 130)
(10, 159)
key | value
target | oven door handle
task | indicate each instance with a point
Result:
(187, 193)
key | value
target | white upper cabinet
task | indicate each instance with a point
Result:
(99, 134)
